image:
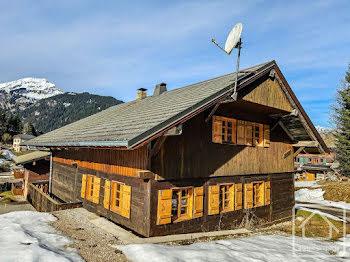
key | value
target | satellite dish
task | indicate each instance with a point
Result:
(233, 41)
(233, 38)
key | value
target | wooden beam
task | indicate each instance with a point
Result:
(298, 151)
(145, 174)
(286, 130)
(307, 144)
(155, 149)
(212, 112)
(175, 131)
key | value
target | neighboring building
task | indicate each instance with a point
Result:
(36, 168)
(18, 139)
(311, 167)
(187, 160)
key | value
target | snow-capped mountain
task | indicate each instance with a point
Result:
(322, 130)
(19, 94)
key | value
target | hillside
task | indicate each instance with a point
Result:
(53, 112)
(327, 136)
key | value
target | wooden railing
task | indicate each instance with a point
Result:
(44, 203)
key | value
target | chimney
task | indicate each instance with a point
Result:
(160, 89)
(141, 94)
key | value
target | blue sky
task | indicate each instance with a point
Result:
(115, 47)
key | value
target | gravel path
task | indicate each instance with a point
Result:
(92, 243)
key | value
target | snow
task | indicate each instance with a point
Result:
(31, 88)
(320, 213)
(256, 248)
(306, 184)
(316, 196)
(8, 154)
(322, 130)
(27, 236)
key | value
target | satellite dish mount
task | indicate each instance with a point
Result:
(233, 40)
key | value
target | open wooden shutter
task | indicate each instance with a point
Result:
(83, 186)
(238, 197)
(240, 132)
(164, 207)
(259, 191)
(96, 192)
(217, 130)
(267, 193)
(126, 200)
(248, 196)
(107, 194)
(266, 135)
(198, 202)
(214, 196)
(249, 133)
(232, 198)
(88, 189)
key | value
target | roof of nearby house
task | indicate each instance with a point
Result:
(30, 157)
(130, 124)
(24, 136)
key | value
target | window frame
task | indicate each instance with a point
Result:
(262, 195)
(227, 196)
(113, 207)
(90, 187)
(189, 205)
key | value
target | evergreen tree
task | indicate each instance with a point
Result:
(14, 125)
(29, 129)
(342, 118)
(3, 122)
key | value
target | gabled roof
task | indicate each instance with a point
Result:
(130, 124)
(24, 136)
(30, 157)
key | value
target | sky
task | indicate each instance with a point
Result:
(115, 47)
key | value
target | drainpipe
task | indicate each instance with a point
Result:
(50, 177)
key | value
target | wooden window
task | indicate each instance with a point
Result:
(214, 200)
(227, 197)
(267, 193)
(249, 128)
(241, 132)
(83, 186)
(198, 202)
(107, 194)
(90, 187)
(248, 196)
(238, 197)
(182, 203)
(259, 134)
(121, 199)
(266, 135)
(259, 192)
(164, 207)
(224, 130)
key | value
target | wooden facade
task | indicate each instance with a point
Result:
(229, 161)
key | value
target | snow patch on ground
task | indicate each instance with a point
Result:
(27, 236)
(316, 196)
(312, 184)
(8, 154)
(320, 213)
(257, 248)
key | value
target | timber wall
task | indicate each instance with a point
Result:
(282, 202)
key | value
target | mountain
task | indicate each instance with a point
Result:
(327, 135)
(39, 101)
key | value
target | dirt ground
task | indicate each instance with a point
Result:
(336, 191)
(92, 243)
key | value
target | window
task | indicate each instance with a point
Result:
(178, 204)
(227, 198)
(301, 160)
(257, 194)
(224, 198)
(90, 184)
(120, 199)
(324, 160)
(231, 131)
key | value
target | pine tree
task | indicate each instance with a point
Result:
(342, 118)
(29, 129)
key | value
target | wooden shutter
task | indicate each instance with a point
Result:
(96, 192)
(214, 203)
(249, 133)
(240, 132)
(198, 202)
(217, 130)
(238, 197)
(248, 196)
(83, 186)
(107, 194)
(259, 191)
(259, 134)
(126, 200)
(164, 207)
(232, 198)
(88, 190)
(266, 135)
(267, 193)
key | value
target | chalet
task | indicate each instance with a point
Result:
(36, 168)
(18, 139)
(187, 160)
(311, 167)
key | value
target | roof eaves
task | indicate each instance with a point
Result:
(81, 144)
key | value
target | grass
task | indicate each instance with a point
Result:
(336, 191)
(316, 227)
(7, 197)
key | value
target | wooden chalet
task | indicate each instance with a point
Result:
(187, 160)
